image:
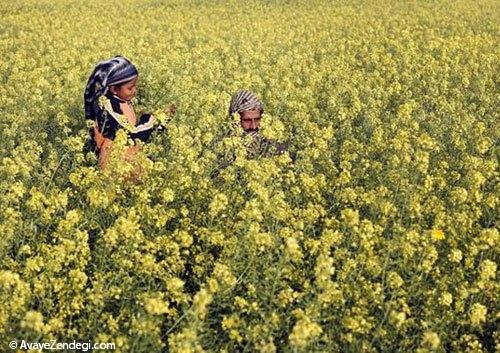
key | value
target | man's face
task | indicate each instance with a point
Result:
(250, 120)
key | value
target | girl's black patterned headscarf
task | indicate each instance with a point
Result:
(106, 73)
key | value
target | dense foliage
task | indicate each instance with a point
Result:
(381, 236)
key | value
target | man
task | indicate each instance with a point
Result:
(250, 109)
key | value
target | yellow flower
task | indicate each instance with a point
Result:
(431, 340)
(303, 332)
(293, 249)
(478, 314)
(218, 204)
(33, 320)
(350, 217)
(397, 318)
(488, 270)
(200, 302)
(394, 280)
(230, 322)
(490, 236)
(156, 306)
(437, 234)
(446, 299)
(455, 255)
(167, 195)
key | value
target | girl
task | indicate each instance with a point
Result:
(110, 88)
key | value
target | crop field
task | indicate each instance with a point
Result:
(377, 230)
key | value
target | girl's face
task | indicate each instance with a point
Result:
(127, 91)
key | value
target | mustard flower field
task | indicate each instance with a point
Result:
(377, 231)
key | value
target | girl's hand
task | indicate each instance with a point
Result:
(164, 116)
(171, 109)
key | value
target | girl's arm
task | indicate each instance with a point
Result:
(104, 153)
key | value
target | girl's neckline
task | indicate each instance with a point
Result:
(119, 99)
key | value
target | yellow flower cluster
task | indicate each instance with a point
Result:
(376, 231)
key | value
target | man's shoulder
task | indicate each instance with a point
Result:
(265, 147)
